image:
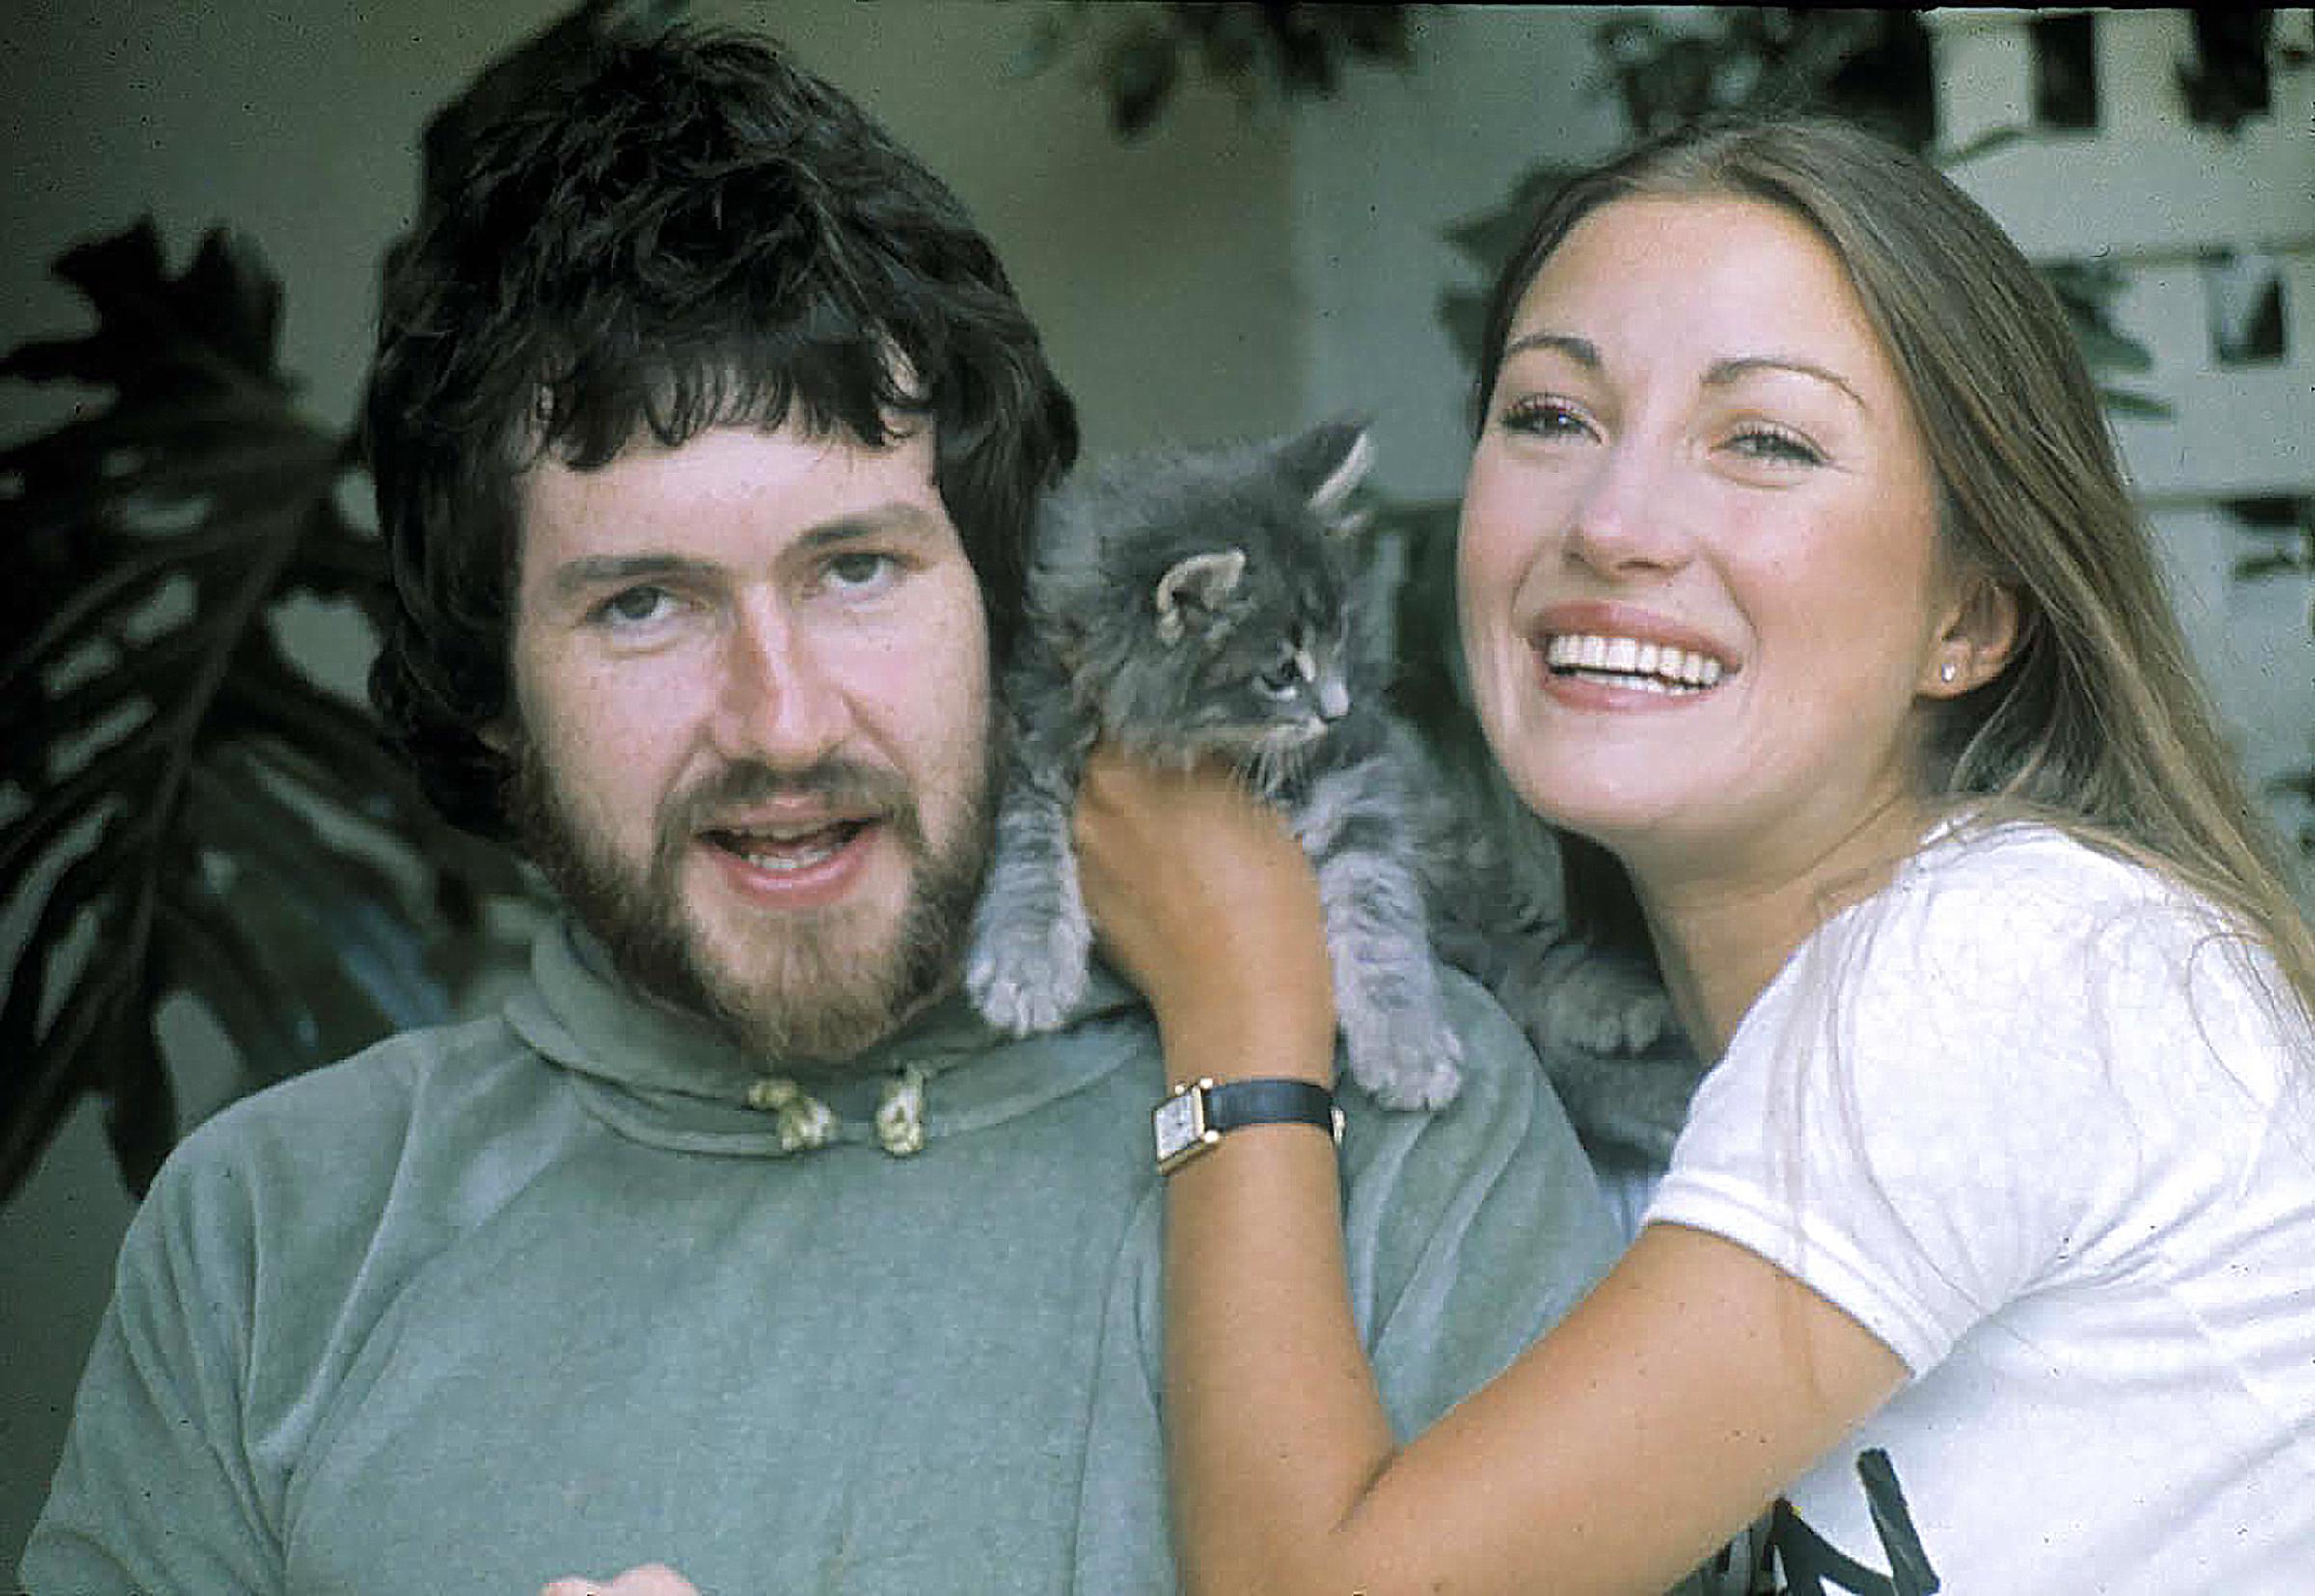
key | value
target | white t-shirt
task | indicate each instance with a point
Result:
(2026, 1119)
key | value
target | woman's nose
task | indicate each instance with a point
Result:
(1630, 515)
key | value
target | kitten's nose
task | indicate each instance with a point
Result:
(1334, 699)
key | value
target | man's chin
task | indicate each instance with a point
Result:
(819, 997)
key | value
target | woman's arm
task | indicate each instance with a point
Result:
(1617, 1453)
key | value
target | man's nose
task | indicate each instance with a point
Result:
(782, 702)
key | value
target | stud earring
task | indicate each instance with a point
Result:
(1949, 672)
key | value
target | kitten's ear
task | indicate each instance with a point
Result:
(1333, 457)
(1194, 589)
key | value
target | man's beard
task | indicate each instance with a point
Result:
(817, 989)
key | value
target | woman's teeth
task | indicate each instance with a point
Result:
(1651, 667)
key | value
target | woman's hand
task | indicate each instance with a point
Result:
(1206, 901)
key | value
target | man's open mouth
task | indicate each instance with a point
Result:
(781, 849)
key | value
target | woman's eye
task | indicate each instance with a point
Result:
(1768, 443)
(1543, 418)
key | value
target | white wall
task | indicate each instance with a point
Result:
(1381, 171)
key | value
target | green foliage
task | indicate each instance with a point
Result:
(187, 811)
(1142, 53)
(2227, 81)
(209, 819)
(1868, 65)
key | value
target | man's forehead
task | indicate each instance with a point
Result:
(729, 459)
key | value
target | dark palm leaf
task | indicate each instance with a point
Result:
(188, 810)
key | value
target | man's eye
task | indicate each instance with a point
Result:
(860, 571)
(633, 605)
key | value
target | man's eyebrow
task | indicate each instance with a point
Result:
(596, 571)
(1736, 367)
(900, 517)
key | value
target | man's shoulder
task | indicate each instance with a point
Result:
(329, 1123)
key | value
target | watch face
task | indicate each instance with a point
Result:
(1178, 1124)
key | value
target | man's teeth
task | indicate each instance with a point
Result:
(1655, 668)
(795, 848)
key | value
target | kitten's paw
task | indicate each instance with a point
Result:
(1027, 984)
(1410, 1059)
(1612, 1013)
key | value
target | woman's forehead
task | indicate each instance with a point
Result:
(1726, 280)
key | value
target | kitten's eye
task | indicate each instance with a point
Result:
(1283, 680)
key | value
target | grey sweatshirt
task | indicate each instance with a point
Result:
(543, 1294)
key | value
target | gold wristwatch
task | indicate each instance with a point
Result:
(1196, 1116)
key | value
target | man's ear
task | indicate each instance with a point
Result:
(498, 736)
(1981, 635)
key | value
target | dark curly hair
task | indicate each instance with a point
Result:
(685, 230)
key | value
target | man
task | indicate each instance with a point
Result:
(706, 430)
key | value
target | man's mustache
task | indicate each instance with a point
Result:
(837, 782)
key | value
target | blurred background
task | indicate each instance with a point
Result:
(1228, 221)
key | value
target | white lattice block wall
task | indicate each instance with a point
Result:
(2147, 180)
(2234, 430)
(2147, 191)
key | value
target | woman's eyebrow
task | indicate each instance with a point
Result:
(1723, 372)
(1582, 351)
(1719, 374)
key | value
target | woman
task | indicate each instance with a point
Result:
(1796, 570)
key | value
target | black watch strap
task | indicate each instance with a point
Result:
(1235, 1104)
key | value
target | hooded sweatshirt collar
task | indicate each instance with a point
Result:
(660, 1076)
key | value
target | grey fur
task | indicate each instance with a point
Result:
(1598, 1017)
(1201, 604)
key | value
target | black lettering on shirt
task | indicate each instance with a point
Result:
(1813, 1566)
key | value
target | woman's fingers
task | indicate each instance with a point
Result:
(1202, 896)
(648, 1580)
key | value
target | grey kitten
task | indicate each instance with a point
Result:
(1204, 604)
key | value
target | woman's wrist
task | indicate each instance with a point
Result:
(1233, 1048)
